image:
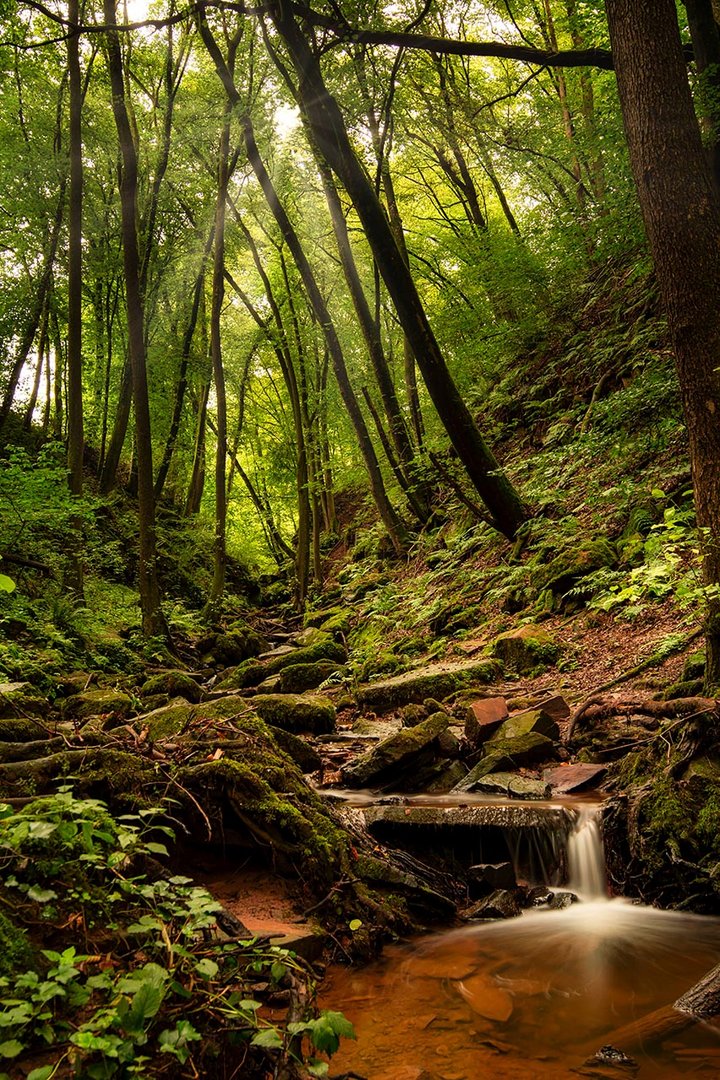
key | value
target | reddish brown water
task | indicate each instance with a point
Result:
(527, 999)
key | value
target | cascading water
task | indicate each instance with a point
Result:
(585, 856)
(530, 998)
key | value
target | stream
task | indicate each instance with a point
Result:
(532, 997)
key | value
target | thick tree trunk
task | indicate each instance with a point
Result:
(328, 130)
(153, 622)
(705, 36)
(682, 218)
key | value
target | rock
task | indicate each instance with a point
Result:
(308, 637)
(391, 759)
(533, 720)
(22, 729)
(173, 683)
(417, 894)
(448, 742)
(304, 755)
(561, 900)
(292, 712)
(500, 904)
(487, 877)
(20, 700)
(508, 754)
(436, 680)
(483, 717)
(514, 786)
(575, 563)
(413, 714)
(525, 649)
(168, 721)
(239, 643)
(694, 666)
(296, 678)
(555, 707)
(448, 776)
(100, 702)
(333, 620)
(252, 672)
(486, 998)
(567, 778)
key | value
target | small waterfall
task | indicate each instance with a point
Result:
(586, 859)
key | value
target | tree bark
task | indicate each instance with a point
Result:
(705, 36)
(153, 622)
(328, 130)
(682, 217)
(76, 441)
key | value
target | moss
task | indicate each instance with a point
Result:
(100, 702)
(168, 721)
(573, 564)
(685, 688)
(252, 672)
(694, 666)
(436, 681)
(311, 712)
(22, 730)
(21, 699)
(173, 683)
(296, 678)
(525, 649)
(16, 954)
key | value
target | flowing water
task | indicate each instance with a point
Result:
(531, 998)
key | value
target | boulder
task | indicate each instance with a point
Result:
(252, 672)
(239, 643)
(448, 774)
(297, 678)
(533, 720)
(174, 684)
(413, 714)
(568, 778)
(555, 707)
(21, 699)
(508, 754)
(438, 681)
(577, 562)
(483, 717)
(392, 759)
(525, 649)
(101, 702)
(293, 712)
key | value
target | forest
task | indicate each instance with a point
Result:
(359, 539)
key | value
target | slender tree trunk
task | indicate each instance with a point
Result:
(328, 130)
(392, 523)
(41, 350)
(197, 475)
(705, 36)
(153, 622)
(59, 411)
(682, 217)
(31, 327)
(76, 442)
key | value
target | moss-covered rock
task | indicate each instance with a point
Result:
(292, 712)
(532, 720)
(302, 753)
(436, 680)
(18, 699)
(24, 729)
(576, 562)
(694, 666)
(392, 759)
(240, 642)
(507, 755)
(102, 702)
(168, 721)
(296, 678)
(174, 684)
(253, 672)
(525, 649)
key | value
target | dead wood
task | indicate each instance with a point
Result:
(599, 707)
(700, 1002)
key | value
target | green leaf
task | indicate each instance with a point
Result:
(11, 1048)
(269, 1038)
(43, 1073)
(156, 849)
(317, 1068)
(207, 968)
(6, 583)
(277, 971)
(355, 924)
(41, 896)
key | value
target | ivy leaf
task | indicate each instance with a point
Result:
(41, 896)
(6, 583)
(207, 968)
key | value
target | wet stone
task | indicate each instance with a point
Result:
(490, 876)
(569, 778)
(535, 721)
(513, 786)
(483, 717)
(486, 998)
(500, 904)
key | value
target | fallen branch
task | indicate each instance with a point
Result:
(700, 1002)
(31, 564)
(603, 708)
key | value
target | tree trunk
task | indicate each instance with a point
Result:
(75, 442)
(705, 36)
(682, 217)
(328, 130)
(153, 622)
